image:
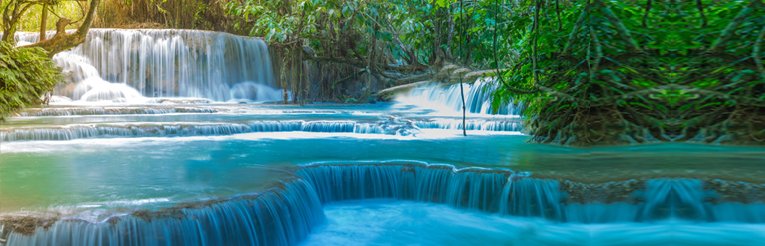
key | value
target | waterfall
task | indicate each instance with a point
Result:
(288, 213)
(70, 111)
(121, 64)
(184, 129)
(279, 217)
(448, 99)
(505, 192)
(466, 188)
(472, 124)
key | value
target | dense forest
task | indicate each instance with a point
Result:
(590, 72)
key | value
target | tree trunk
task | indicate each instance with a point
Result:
(462, 85)
(63, 41)
(43, 22)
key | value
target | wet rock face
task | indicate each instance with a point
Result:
(23, 224)
(608, 192)
(737, 191)
(711, 190)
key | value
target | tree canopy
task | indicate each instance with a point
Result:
(16, 13)
(601, 72)
(588, 71)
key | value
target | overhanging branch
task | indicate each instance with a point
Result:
(63, 41)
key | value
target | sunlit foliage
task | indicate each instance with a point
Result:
(25, 76)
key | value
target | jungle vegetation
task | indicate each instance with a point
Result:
(25, 76)
(604, 72)
(588, 72)
(27, 72)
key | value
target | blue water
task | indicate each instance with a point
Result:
(274, 217)
(222, 174)
(231, 174)
(391, 222)
(116, 162)
(448, 206)
(507, 192)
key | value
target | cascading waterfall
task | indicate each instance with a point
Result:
(113, 111)
(286, 215)
(447, 98)
(435, 183)
(182, 129)
(172, 108)
(279, 217)
(166, 63)
(472, 124)
(505, 192)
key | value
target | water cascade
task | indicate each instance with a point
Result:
(447, 98)
(505, 192)
(287, 214)
(473, 124)
(279, 217)
(182, 129)
(117, 64)
(71, 111)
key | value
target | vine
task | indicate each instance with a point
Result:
(635, 73)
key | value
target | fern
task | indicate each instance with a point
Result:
(26, 74)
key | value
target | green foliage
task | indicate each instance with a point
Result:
(26, 74)
(409, 32)
(588, 71)
(610, 72)
(72, 10)
(181, 14)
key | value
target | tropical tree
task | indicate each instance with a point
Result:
(15, 13)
